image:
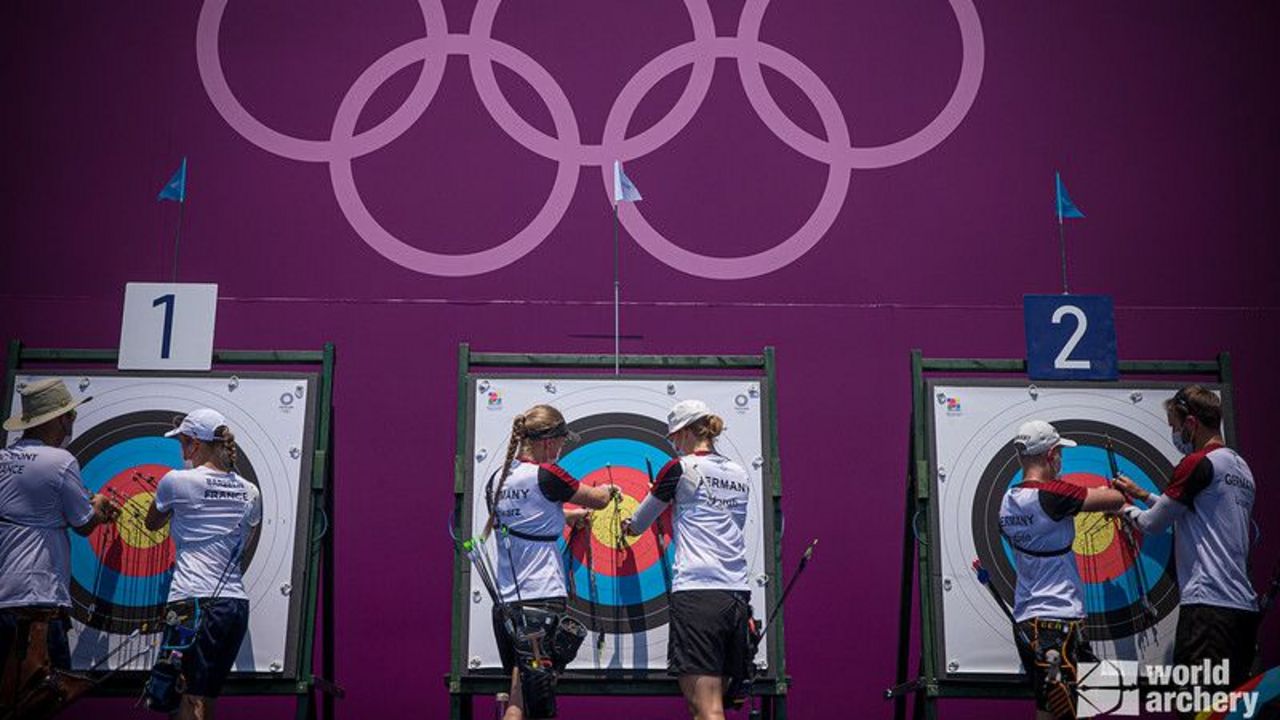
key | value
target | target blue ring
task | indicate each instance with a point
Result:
(1122, 590)
(649, 583)
(86, 567)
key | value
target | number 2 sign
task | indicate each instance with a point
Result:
(1070, 337)
(168, 326)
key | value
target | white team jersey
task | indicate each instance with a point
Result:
(530, 504)
(1212, 538)
(213, 512)
(1037, 519)
(41, 494)
(711, 494)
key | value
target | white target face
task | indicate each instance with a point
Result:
(121, 572)
(618, 592)
(972, 465)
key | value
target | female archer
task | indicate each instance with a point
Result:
(526, 509)
(710, 606)
(211, 511)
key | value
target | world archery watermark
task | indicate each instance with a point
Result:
(1113, 688)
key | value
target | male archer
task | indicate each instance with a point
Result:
(1036, 518)
(1209, 503)
(41, 495)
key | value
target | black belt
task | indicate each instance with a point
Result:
(1037, 553)
(527, 536)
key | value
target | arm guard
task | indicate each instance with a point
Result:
(649, 510)
(1163, 512)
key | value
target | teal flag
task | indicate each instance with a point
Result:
(1066, 208)
(176, 188)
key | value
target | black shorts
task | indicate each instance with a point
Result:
(1207, 632)
(710, 633)
(1054, 683)
(505, 649)
(207, 661)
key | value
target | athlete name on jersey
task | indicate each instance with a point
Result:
(727, 484)
(514, 494)
(1016, 520)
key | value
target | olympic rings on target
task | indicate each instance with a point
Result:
(567, 149)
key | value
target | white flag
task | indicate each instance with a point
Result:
(623, 189)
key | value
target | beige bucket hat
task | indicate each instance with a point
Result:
(43, 401)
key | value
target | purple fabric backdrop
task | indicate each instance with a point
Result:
(1160, 115)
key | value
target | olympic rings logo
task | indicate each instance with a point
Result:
(566, 148)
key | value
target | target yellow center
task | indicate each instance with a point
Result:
(606, 524)
(1094, 533)
(131, 523)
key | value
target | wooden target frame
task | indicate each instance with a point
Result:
(934, 680)
(313, 554)
(465, 680)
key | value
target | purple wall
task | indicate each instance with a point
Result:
(1161, 116)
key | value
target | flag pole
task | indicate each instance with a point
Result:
(1062, 241)
(617, 328)
(177, 237)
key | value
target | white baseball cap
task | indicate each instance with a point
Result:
(199, 424)
(1038, 437)
(685, 412)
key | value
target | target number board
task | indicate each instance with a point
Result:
(120, 573)
(971, 424)
(168, 326)
(1070, 337)
(617, 585)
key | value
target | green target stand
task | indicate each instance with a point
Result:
(961, 460)
(279, 404)
(617, 589)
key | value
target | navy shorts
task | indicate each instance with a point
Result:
(59, 646)
(208, 660)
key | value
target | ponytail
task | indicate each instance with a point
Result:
(518, 433)
(227, 451)
(708, 427)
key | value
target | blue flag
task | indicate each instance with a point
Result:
(623, 189)
(176, 188)
(1066, 208)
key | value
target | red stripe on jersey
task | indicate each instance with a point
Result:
(664, 486)
(1057, 487)
(1192, 475)
(562, 474)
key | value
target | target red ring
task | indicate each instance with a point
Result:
(126, 546)
(606, 557)
(1102, 552)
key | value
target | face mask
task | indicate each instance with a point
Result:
(66, 442)
(1184, 445)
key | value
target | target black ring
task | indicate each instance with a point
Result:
(1111, 624)
(117, 617)
(633, 617)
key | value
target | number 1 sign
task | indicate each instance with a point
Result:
(168, 326)
(1070, 337)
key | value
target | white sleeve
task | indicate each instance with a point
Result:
(253, 517)
(650, 508)
(1164, 511)
(166, 493)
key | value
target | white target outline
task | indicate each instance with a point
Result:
(273, 559)
(953, 532)
(650, 393)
